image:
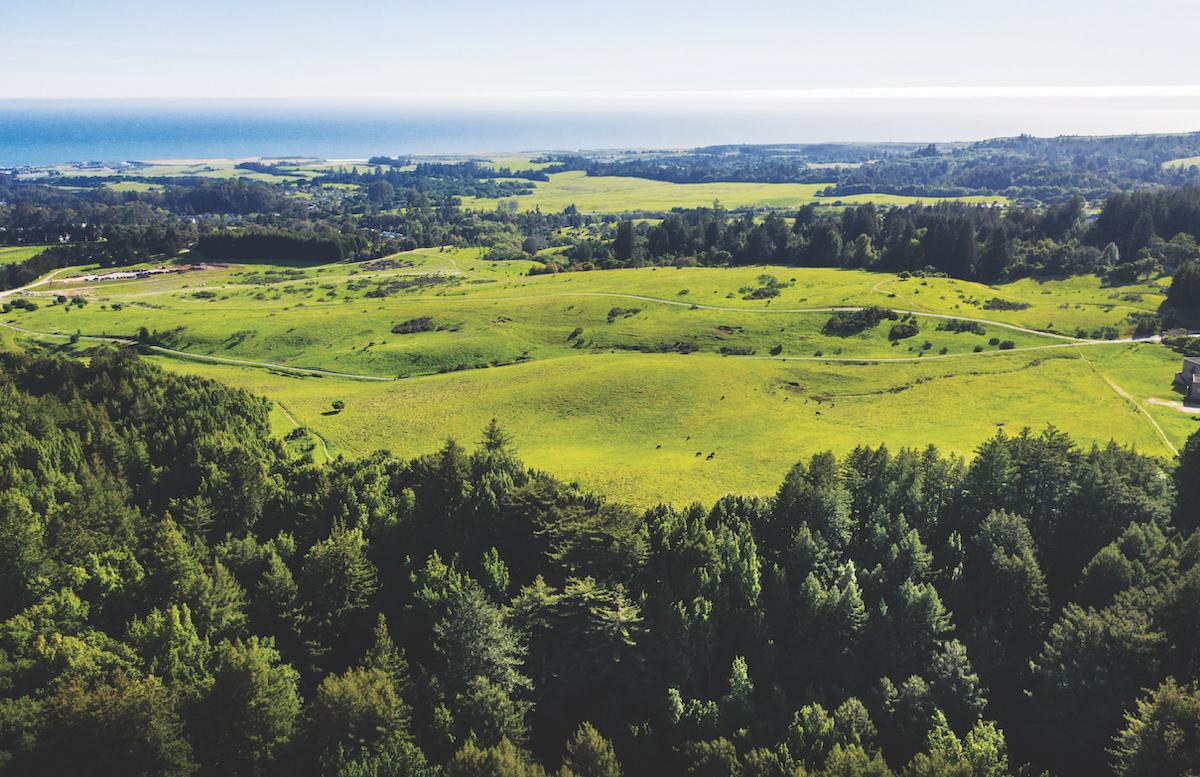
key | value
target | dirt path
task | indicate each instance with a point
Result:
(186, 354)
(324, 447)
(875, 290)
(865, 359)
(1135, 403)
(436, 255)
(776, 311)
(1177, 405)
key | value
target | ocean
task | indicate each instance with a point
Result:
(42, 132)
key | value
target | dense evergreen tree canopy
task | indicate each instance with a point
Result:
(182, 596)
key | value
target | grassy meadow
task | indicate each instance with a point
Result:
(1184, 163)
(602, 419)
(759, 384)
(608, 194)
(614, 194)
(14, 254)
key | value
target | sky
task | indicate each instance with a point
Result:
(371, 49)
(814, 71)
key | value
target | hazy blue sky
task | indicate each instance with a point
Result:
(249, 48)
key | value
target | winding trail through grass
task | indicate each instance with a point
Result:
(315, 433)
(876, 290)
(1125, 394)
(872, 359)
(828, 309)
(185, 354)
(1069, 341)
(436, 255)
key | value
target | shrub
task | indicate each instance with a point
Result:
(994, 341)
(958, 326)
(413, 325)
(1007, 345)
(995, 303)
(1147, 324)
(850, 322)
(906, 328)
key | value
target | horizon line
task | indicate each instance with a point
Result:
(695, 95)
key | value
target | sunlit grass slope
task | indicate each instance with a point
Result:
(614, 194)
(601, 419)
(14, 254)
(569, 362)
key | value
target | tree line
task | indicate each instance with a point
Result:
(1024, 168)
(1134, 236)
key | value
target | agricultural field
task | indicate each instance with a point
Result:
(627, 380)
(1184, 163)
(596, 194)
(14, 254)
(614, 194)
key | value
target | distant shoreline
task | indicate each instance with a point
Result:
(44, 132)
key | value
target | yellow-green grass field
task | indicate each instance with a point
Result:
(589, 194)
(614, 194)
(515, 162)
(1184, 163)
(14, 254)
(133, 186)
(600, 419)
(594, 406)
(489, 314)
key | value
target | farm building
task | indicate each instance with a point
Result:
(1190, 378)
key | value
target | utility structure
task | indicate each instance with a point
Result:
(1190, 378)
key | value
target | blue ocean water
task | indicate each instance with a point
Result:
(38, 132)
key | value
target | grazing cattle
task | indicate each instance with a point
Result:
(699, 452)
(818, 412)
(685, 439)
(657, 447)
(710, 456)
(722, 397)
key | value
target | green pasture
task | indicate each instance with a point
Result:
(483, 315)
(589, 194)
(1184, 163)
(218, 168)
(593, 404)
(601, 419)
(1056, 305)
(1147, 372)
(15, 254)
(614, 194)
(132, 186)
(515, 162)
